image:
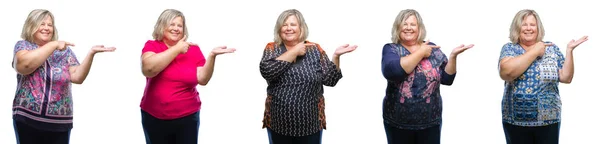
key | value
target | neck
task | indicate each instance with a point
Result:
(40, 43)
(169, 43)
(290, 44)
(527, 44)
(410, 45)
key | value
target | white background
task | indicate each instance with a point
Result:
(107, 103)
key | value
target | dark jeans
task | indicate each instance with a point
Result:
(28, 135)
(178, 131)
(531, 135)
(402, 136)
(275, 138)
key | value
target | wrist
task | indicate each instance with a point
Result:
(336, 56)
(212, 55)
(569, 50)
(453, 56)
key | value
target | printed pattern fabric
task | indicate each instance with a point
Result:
(45, 95)
(533, 98)
(295, 105)
(413, 100)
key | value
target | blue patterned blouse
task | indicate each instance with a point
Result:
(533, 99)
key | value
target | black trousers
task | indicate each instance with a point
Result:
(401, 136)
(531, 135)
(28, 135)
(275, 138)
(178, 131)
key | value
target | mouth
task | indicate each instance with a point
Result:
(45, 33)
(408, 33)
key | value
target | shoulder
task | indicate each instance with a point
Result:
(152, 42)
(23, 43)
(270, 45)
(430, 43)
(316, 45)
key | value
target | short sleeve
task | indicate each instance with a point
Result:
(72, 58)
(560, 58)
(202, 59)
(508, 50)
(23, 45)
(150, 46)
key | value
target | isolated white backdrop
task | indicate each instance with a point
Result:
(107, 104)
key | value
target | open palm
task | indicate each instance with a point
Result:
(460, 49)
(101, 48)
(222, 49)
(573, 44)
(345, 49)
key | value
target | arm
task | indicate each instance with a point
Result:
(27, 60)
(272, 65)
(79, 72)
(567, 68)
(205, 72)
(449, 73)
(153, 63)
(332, 72)
(513, 66)
(391, 64)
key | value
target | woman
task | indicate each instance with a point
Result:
(173, 68)
(532, 69)
(412, 107)
(46, 67)
(296, 70)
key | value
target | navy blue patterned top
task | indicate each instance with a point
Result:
(533, 99)
(295, 105)
(413, 100)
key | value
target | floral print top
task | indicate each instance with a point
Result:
(43, 98)
(412, 100)
(533, 98)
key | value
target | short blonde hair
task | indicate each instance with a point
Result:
(281, 20)
(515, 27)
(164, 20)
(32, 24)
(402, 16)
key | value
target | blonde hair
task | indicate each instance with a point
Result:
(402, 16)
(517, 23)
(281, 20)
(32, 24)
(164, 20)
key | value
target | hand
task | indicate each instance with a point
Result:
(573, 44)
(346, 48)
(458, 50)
(62, 45)
(426, 49)
(101, 48)
(540, 48)
(182, 45)
(222, 50)
(300, 48)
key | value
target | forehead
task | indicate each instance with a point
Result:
(291, 19)
(46, 19)
(410, 18)
(530, 18)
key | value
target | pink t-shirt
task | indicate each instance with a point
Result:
(172, 93)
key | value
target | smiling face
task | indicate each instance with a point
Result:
(45, 31)
(290, 30)
(529, 30)
(174, 30)
(409, 29)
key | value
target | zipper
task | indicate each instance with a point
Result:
(47, 89)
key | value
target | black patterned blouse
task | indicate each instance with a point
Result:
(295, 105)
